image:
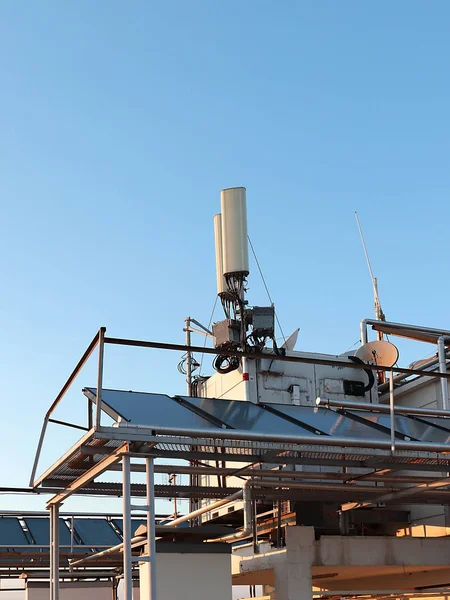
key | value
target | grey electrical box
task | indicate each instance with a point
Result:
(264, 320)
(227, 334)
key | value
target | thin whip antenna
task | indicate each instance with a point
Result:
(378, 310)
(265, 285)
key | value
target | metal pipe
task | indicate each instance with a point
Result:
(101, 350)
(54, 552)
(245, 377)
(127, 558)
(402, 326)
(188, 356)
(363, 331)
(72, 533)
(424, 364)
(443, 369)
(140, 538)
(384, 408)
(52, 564)
(111, 550)
(247, 529)
(391, 411)
(205, 509)
(237, 434)
(151, 533)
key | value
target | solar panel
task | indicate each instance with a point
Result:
(406, 427)
(328, 421)
(246, 415)
(154, 410)
(135, 523)
(12, 534)
(96, 532)
(438, 421)
(40, 531)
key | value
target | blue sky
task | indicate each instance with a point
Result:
(121, 122)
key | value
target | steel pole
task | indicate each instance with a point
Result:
(151, 530)
(54, 552)
(126, 501)
(188, 356)
(391, 410)
(101, 350)
(443, 369)
(52, 566)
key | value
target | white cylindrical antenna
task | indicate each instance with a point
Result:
(234, 231)
(221, 282)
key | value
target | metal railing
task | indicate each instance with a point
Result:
(100, 339)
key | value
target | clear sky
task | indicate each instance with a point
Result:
(120, 122)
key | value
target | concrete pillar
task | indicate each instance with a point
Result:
(293, 577)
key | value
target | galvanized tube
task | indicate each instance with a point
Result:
(126, 501)
(151, 533)
(238, 434)
(363, 331)
(205, 509)
(52, 564)
(443, 369)
(101, 349)
(188, 356)
(391, 411)
(247, 529)
(383, 408)
(54, 552)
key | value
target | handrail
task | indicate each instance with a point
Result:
(266, 356)
(100, 339)
(60, 396)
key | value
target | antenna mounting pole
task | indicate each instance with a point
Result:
(379, 315)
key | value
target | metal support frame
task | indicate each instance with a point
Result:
(54, 552)
(150, 558)
(101, 351)
(443, 369)
(383, 408)
(100, 339)
(151, 532)
(126, 503)
(398, 494)
(187, 329)
(391, 410)
(89, 350)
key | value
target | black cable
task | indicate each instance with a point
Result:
(369, 373)
(231, 363)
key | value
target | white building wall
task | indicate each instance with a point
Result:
(189, 577)
(71, 591)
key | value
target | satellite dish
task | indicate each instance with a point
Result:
(290, 342)
(379, 352)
